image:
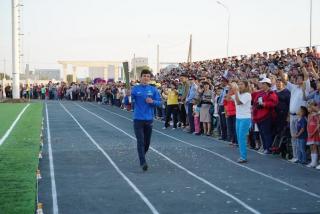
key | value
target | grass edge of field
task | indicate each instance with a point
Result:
(19, 162)
(9, 113)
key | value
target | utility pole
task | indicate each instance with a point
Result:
(4, 68)
(310, 42)
(135, 67)
(189, 60)
(15, 48)
(228, 30)
(158, 59)
(4, 79)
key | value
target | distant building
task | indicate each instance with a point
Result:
(96, 72)
(139, 62)
(47, 74)
(41, 74)
(106, 73)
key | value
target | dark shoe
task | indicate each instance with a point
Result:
(242, 161)
(144, 167)
(222, 139)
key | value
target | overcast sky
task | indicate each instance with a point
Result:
(116, 29)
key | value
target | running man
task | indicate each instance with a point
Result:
(146, 98)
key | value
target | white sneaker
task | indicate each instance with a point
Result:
(164, 128)
(310, 165)
(318, 167)
(293, 160)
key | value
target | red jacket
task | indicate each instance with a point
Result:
(230, 107)
(270, 100)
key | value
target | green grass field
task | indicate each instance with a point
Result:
(8, 113)
(19, 158)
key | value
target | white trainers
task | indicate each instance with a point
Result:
(310, 165)
(164, 127)
(293, 160)
(318, 167)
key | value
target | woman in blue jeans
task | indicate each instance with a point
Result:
(242, 98)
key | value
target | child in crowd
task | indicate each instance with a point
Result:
(117, 101)
(127, 100)
(301, 135)
(99, 98)
(313, 133)
(196, 116)
(121, 100)
(215, 116)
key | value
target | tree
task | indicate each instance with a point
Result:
(2, 75)
(69, 78)
(88, 80)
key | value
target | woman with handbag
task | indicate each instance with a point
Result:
(206, 102)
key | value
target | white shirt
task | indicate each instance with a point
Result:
(296, 99)
(243, 111)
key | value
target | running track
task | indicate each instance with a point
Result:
(90, 165)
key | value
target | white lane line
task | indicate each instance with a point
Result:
(229, 160)
(134, 187)
(5, 136)
(55, 207)
(243, 204)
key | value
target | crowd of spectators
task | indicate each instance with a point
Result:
(284, 114)
(269, 102)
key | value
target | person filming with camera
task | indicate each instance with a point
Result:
(264, 103)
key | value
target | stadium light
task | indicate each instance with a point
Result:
(227, 9)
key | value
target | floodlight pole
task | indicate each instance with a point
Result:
(228, 11)
(15, 50)
(310, 31)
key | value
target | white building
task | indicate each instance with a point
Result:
(139, 62)
(106, 73)
(96, 72)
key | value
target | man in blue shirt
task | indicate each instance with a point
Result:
(146, 98)
(189, 103)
